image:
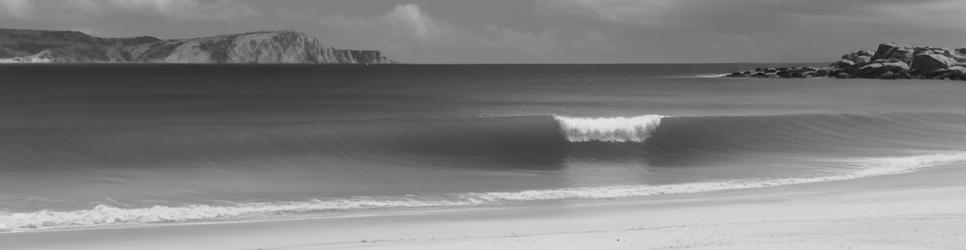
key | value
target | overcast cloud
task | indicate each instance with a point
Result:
(552, 31)
(89, 10)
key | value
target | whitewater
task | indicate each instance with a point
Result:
(616, 129)
(92, 146)
(106, 215)
(613, 130)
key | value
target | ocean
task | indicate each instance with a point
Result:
(87, 146)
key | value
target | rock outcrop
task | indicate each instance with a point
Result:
(889, 61)
(35, 46)
(931, 63)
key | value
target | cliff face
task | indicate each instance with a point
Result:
(31, 46)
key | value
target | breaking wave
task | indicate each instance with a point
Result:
(616, 129)
(105, 215)
(532, 142)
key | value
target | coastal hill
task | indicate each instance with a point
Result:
(38, 46)
(889, 61)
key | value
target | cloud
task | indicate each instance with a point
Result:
(533, 43)
(88, 9)
(767, 30)
(406, 27)
(595, 41)
(413, 22)
(733, 15)
(404, 23)
(15, 8)
(630, 11)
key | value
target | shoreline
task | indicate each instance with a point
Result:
(108, 217)
(927, 200)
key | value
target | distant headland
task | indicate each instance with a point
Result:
(889, 61)
(41, 46)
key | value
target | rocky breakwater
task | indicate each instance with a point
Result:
(889, 61)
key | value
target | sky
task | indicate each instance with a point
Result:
(531, 31)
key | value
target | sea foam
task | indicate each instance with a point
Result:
(614, 129)
(104, 215)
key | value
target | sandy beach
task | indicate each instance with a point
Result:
(922, 210)
(458, 124)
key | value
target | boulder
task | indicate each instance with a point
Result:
(844, 64)
(955, 56)
(904, 75)
(792, 72)
(958, 72)
(889, 61)
(886, 50)
(822, 72)
(875, 70)
(850, 56)
(928, 64)
(871, 70)
(861, 57)
(897, 66)
(944, 74)
(903, 55)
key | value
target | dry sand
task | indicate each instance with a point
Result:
(923, 210)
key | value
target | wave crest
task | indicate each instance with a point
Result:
(613, 129)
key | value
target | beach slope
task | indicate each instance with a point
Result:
(922, 210)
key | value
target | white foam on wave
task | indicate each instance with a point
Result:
(719, 75)
(103, 215)
(706, 75)
(858, 168)
(612, 129)
(111, 215)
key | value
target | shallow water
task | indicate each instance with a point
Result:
(96, 145)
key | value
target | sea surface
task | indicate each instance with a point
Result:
(86, 146)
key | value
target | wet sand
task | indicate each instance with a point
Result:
(923, 210)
